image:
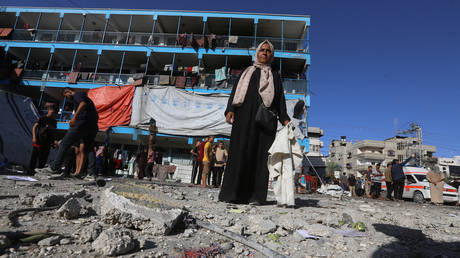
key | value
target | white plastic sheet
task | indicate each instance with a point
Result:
(180, 112)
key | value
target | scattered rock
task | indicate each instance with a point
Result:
(347, 219)
(115, 241)
(65, 241)
(55, 199)
(26, 199)
(261, 225)
(318, 230)
(70, 209)
(54, 240)
(90, 233)
(227, 246)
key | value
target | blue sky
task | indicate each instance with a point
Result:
(372, 62)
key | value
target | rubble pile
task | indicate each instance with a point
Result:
(129, 218)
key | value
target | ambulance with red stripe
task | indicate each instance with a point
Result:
(417, 187)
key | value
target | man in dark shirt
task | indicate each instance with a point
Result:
(397, 174)
(196, 163)
(83, 127)
(43, 136)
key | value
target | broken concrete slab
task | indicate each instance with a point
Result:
(121, 210)
(55, 199)
(115, 241)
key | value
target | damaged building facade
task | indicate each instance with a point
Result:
(356, 157)
(180, 65)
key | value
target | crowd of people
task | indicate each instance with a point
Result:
(370, 185)
(209, 161)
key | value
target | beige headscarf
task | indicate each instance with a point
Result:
(266, 86)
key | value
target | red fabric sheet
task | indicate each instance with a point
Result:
(113, 105)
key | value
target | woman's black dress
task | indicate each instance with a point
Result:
(246, 173)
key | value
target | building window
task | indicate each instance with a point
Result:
(400, 158)
(391, 153)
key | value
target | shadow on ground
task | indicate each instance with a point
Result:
(413, 243)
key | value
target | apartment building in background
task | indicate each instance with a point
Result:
(356, 157)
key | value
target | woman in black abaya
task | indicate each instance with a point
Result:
(246, 174)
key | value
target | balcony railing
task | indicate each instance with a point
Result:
(148, 39)
(291, 86)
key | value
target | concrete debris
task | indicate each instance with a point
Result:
(115, 241)
(26, 198)
(70, 209)
(55, 199)
(319, 230)
(65, 241)
(54, 240)
(139, 219)
(89, 233)
(261, 225)
(161, 220)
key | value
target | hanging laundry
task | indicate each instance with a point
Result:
(200, 41)
(194, 43)
(164, 79)
(212, 41)
(221, 74)
(138, 82)
(182, 39)
(195, 69)
(167, 67)
(73, 77)
(235, 72)
(180, 82)
(138, 76)
(5, 32)
(233, 39)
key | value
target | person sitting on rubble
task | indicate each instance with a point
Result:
(82, 127)
(43, 138)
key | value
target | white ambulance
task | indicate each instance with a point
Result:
(417, 187)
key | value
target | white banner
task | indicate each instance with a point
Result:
(180, 112)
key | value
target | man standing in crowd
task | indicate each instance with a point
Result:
(376, 181)
(389, 182)
(207, 158)
(82, 127)
(397, 174)
(367, 179)
(221, 159)
(43, 137)
(351, 185)
(153, 130)
(200, 160)
(343, 181)
(196, 164)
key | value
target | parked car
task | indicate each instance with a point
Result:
(417, 187)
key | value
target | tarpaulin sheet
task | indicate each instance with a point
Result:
(113, 104)
(18, 117)
(179, 112)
